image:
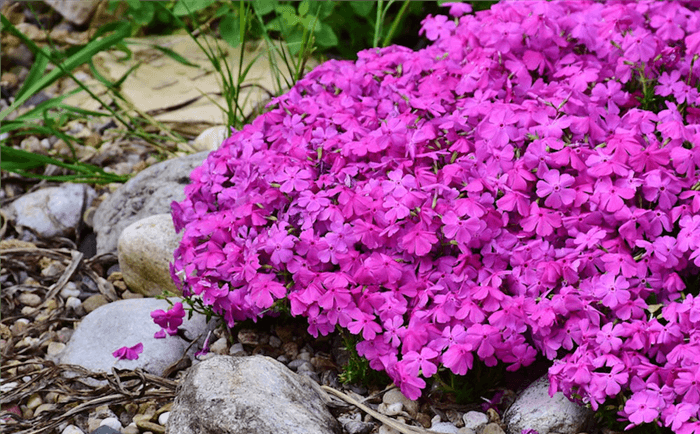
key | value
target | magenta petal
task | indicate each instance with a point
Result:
(160, 334)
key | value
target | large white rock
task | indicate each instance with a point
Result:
(535, 409)
(52, 211)
(248, 395)
(145, 250)
(125, 323)
(148, 193)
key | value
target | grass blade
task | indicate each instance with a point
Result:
(121, 31)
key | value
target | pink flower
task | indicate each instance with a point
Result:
(168, 321)
(554, 187)
(129, 353)
(642, 407)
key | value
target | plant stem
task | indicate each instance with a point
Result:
(395, 23)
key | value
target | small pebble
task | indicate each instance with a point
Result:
(304, 355)
(163, 418)
(70, 290)
(237, 350)
(112, 422)
(55, 348)
(130, 429)
(72, 429)
(34, 401)
(492, 428)
(275, 342)
(150, 426)
(44, 407)
(219, 347)
(29, 299)
(444, 427)
(384, 429)
(19, 326)
(295, 365)
(73, 302)
(475, 420)
(391, 409)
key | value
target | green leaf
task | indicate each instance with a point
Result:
(121, 30)
(362, 9)
(285, 9)
(173, 55)
(143, 15)
(134, 4)
(264, 7)
(325, 36)
(19, 161)
(304, 8)
(230, 30)
(34, 76)
(295, 40)
(186, 7)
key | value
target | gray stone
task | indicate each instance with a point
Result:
(444, 427)
(148, 193)
(354, 425)
(126, 323)
(492, 428)
(535, 409)
(475, 420)
(394, 395)
(52, 211)
(145, 251)
(248, 395)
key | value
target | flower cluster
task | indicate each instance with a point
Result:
(527, 184)
(169, 320)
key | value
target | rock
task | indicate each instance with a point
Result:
(126, 323)
(93, 302)
(75, 12)
(535, 409)
(354, 425)
(163, 418)
(475, 420)
(29, 299)
(55, 348)
(52, 211)
(219, 347)
(146, 194)
(150, 426)
(248, 395)
(444, 427)
(211, 138)
(493, 428)
(395, 395)
(72, 429)
(34, 401)
(112, 422)
(145, 250)
(237, 350)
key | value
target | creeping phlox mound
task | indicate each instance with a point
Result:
(527, 184)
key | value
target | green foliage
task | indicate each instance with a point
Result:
(470, 388)
(357, 370)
